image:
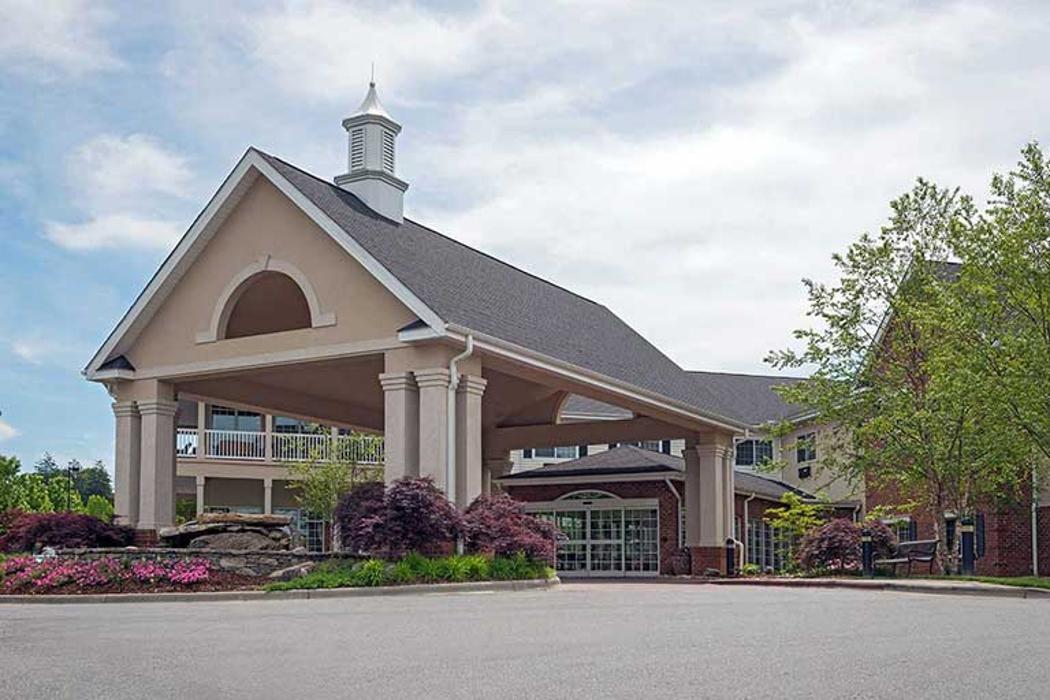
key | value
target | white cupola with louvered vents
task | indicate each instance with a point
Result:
(371, 158)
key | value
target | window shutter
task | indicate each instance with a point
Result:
(583, 450)
(527, 453)
(978, 531)
(913, 530)
(665, 447)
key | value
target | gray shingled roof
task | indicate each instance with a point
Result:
(748, 397)
(472, 289)
(627, 459)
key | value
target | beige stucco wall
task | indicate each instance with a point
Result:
(233, 493)
(266, 223)
(822, 481)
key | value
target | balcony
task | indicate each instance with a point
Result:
(253, 446)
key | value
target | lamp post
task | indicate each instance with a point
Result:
(72, 469)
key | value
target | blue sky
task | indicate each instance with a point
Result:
(684, 164)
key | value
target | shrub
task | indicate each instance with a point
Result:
(99, 507)
(518, 567)
(415, 517)
(883, 540)
(499, 526)
(369, 573)
(834, 545)
(365, 500)
(33, 531)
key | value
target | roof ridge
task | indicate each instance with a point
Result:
(439, 233)
(743, 374)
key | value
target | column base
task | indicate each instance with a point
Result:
(707, 558)
(146, 538)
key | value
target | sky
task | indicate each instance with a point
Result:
(685, 164)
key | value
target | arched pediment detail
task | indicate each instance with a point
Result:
(240, 282)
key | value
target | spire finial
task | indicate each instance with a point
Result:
(372, 82)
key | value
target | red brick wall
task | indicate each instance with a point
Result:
(668, 505)
(1008, 534)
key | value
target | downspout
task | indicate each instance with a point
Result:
(1035, 521)
(450, 447)
(743, 544)
(678, 497)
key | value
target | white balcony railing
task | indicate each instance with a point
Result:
(297, 447)
(235, 444)
(284, 447)
(186, 442)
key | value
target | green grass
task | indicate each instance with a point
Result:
(415, 568)
(1021, 581)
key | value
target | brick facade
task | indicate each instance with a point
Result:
(668, 506)
(1007, 533)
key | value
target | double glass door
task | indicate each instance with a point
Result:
(607, 541)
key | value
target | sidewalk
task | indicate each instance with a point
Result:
(913, 585)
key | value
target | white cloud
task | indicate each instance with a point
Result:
(119, 170)
(125, 185)
(118, 231)
(7, 431)
(30, 350)
(54, 37)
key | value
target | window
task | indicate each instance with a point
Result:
(284, 424)
(806, 448)
(904, 528)
(224, 418)
(586, 496)
(751, 453)
(570, 452)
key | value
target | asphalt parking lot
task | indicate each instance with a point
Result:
(581, 640)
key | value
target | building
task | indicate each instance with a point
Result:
(300, 298)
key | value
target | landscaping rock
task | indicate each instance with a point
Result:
(245, 541)
(295, 571)
(232, 531)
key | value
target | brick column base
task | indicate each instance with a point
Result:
(146, 538)
(704, 558)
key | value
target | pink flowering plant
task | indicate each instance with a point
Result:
(28, 574)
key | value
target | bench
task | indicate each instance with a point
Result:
(923, 551)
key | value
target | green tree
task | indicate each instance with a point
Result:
(34, 496)
(10, 483)
(1002, 297)
(904, 406)
(791, 521)
(323, 478)
(94, 481)
(100, 507)
(47, 467)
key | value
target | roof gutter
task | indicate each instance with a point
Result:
(514, 351)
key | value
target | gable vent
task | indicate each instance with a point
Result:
(357, 149)
(388, 151)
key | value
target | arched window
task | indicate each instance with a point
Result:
(267, 302)
(586, 496)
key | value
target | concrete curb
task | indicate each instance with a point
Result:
(317, 594)
(973, 588)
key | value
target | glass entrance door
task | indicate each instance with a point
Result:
(604, 541)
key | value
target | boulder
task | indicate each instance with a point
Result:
(178, 536)
(258, 519)
(243, 541)
(294, 571)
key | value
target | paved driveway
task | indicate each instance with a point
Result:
(582, 640)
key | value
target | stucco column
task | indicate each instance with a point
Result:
(433, 423)
(729, 493)
(400, 425)
(157, 477)
(468, 438)
(706, 502)
(268, 437)
(126, 462)
(202, 425)
(493, 467)
(201, 480)
(267, 496)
